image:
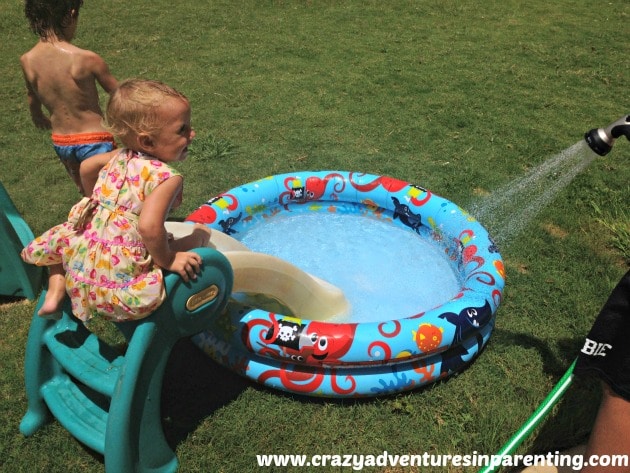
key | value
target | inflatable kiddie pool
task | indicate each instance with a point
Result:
(320, 355)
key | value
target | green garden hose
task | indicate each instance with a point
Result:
(536, 418)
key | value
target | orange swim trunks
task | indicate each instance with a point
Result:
(80, 146)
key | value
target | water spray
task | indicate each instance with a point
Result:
(601, 139)
(525, 197)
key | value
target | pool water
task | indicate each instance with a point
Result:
(386, 271)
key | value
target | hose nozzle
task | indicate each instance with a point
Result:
(601, 139)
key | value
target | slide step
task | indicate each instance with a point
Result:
(84, 356)
(82, 411)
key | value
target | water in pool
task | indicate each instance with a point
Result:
(386, 271)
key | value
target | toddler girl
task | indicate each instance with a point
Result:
(109, 254)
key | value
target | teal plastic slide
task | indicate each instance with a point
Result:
(17, 279)
(107, 398)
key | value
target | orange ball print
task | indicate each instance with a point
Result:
(428, 337)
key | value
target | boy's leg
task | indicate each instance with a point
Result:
(72, 167)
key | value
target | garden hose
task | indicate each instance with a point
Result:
(536, 418)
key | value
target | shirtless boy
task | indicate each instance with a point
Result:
(61, 78)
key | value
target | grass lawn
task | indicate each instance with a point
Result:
(461, 97)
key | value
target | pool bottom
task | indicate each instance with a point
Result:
(384, 269)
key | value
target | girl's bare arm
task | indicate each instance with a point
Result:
(154, 235)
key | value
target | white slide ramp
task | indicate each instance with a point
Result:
(305, 295)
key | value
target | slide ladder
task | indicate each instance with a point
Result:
(108, 400)
(17, 278)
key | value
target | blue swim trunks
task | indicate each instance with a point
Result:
(78, 147)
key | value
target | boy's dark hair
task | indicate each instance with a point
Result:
(50, 16)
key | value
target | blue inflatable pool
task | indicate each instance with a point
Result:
(333, 359)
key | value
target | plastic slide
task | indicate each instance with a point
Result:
(305, 295)
(17, 278)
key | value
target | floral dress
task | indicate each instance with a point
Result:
(109, 271)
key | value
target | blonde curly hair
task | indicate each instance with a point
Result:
(133, 107)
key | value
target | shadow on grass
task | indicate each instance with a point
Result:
(552, 364)
(194, 387)
(10, 301)
(570, 422)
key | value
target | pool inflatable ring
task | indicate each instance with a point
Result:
(328, 359)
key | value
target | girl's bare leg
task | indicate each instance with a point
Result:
(55, 294)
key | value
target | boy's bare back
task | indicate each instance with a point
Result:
(62, 78)
(61, 84)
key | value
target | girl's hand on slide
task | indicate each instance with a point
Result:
(186, 264)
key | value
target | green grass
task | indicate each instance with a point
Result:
(460, 97)
(616, 222)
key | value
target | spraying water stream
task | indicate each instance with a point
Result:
(537, 189)
(508, 210)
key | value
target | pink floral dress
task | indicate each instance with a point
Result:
(109, 271)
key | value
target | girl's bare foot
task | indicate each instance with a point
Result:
(56, 293)
(50, 309)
